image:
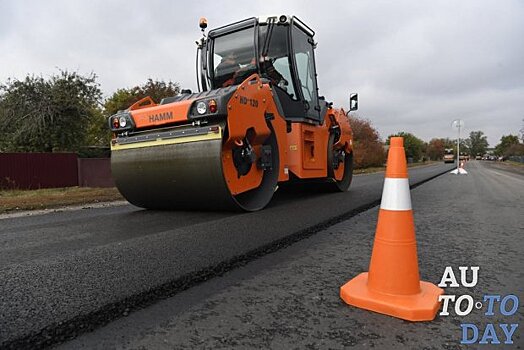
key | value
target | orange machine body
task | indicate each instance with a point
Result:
(257, 121)
(302, 147)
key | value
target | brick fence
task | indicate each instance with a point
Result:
(48, 170)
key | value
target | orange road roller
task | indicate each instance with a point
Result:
(257, 121)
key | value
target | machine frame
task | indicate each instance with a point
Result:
(231, 144)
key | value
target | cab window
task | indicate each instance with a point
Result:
(277, 62)
(303, 52)
(233, 58)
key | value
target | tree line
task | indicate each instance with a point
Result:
(67, 112)
(368, 145)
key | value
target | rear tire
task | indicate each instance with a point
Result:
(259, 197)
(333, 184)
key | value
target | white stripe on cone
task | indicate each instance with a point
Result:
(395, 195)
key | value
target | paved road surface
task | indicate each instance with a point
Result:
(65, 273)
(289, 299)
(504, 167)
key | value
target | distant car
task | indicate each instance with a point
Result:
(449, 156)
(479, 157)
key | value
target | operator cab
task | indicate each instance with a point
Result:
(278, 48)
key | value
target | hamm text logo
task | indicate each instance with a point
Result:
(160, 117)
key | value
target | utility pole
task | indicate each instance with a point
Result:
(522, 130)
(458, 123)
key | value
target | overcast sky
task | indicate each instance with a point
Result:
(416, 65)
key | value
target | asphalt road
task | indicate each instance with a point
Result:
(69, 272)
(289, 299)
(504, 167)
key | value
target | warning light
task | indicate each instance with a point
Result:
(212, 106)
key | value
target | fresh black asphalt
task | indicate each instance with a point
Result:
(69, 272)
(289, 299)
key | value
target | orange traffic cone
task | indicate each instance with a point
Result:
(393, 285)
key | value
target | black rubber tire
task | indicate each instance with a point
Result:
(259, 197)
(344, 184)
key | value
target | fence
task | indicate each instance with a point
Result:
(95, 172)
(517, 158)
(48, 170)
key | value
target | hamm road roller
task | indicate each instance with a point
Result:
(257, 121)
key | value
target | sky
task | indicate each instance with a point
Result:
(417, 65)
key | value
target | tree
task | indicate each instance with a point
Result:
(53, 114)
(98, 133)
(516, 149)
(124, 98)
(435, 149)
(505, 144)
(436, 146)
(368, 149)
(413, 146)
(464, 146)
(477, 143)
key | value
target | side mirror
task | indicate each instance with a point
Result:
(353, 102)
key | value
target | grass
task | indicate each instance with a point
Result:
(510, 162)
(12, 200)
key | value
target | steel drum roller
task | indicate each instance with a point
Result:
(183, 175)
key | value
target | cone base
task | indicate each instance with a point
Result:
(418, 307)
(459, 171)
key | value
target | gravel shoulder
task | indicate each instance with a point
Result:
(289, 299)
(14, 203)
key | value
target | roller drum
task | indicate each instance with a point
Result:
(184, 176)
(179, 176)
